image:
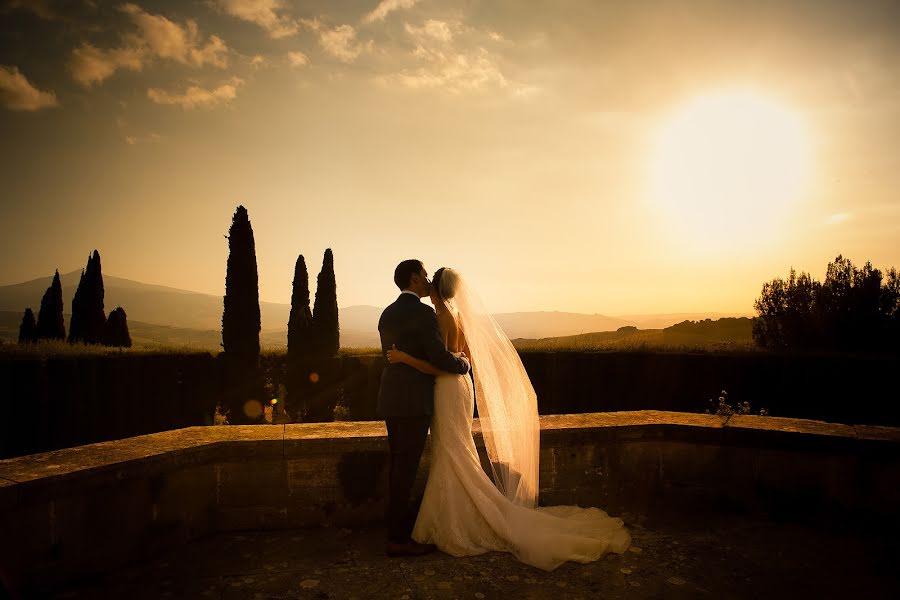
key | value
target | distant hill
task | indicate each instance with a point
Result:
(549, 324)
(198, 316)
(720, 330)
(536, 325)
(142, 302)
(662, 321)
(159, 313)
(707, 334)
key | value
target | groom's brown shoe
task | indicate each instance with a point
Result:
(408, 548)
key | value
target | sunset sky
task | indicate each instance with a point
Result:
(585, 156)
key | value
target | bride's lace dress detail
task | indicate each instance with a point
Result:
(464, 513)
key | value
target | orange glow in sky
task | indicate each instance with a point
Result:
(596, 157)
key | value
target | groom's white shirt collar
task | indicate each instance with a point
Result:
(411, 293)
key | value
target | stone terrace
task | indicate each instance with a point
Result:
(718, 557)
(721, 507)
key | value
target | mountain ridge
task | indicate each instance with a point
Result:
(165, 306)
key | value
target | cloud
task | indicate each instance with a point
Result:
(168, 40)
(341, 43)
(297, 59)
(313, 24)
(838, 218)
(17, 93)
(437, 30)
(265, 13)
(215, 53)
(444, 62)
(197, 97)
(386, 7)
(456, 72)
(92, 65)
(155, 37)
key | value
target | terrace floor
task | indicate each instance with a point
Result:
(725, 556)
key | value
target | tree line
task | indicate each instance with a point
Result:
(313, 333)
(89, 322)
(855, 309)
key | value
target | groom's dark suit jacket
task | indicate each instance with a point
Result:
(412, 326)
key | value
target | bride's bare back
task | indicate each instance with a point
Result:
(454, 339)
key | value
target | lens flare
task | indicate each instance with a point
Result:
(253, 409)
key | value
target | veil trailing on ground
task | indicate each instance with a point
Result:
(507, 403)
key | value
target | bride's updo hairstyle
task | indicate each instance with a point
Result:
(445, 281)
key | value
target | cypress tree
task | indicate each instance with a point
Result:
(50, 322)
(241, 324)
(326, 331)
(96, 314)
(88, 317)
(76, 324)
(241, 318)
(300, 341)
(300, 321)
(115, 333)
(28, 328)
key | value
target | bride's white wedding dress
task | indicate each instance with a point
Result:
(463, 513)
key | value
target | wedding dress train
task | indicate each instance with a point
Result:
(464, 514)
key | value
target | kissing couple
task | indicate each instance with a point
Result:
(427, 384)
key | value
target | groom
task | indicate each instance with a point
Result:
(406, 396)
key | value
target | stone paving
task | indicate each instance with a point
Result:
(723, 557)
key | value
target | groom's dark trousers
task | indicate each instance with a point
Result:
(406, 399)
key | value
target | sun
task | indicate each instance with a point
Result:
(728, 169)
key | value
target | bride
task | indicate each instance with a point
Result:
(463, 512)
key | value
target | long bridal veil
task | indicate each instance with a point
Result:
(506, 401)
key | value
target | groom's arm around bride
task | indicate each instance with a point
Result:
(411, 326)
